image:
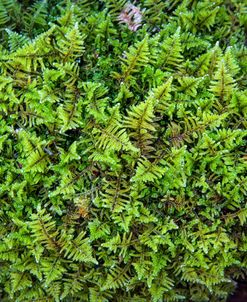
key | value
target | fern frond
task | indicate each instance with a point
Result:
(113, 136)
(223, 84)
(31, 56)
(36, 15)
(202, 64)
(71, 46)
(52, 269)
(70, 112)
(147, 171)
(161, 95)
(189, 85)
(119, 243)
(117, 277)
(171, 52)
(7, 8)
(157, 290)
(206, 17)
(44, 230)
(20, 281)
(98, 229)
(154, 12)
(73, 283)
(140, 121)
(95, 100)
(54, 290)
(136, 57)
(16, 40)
(37, 161)
(116, 194)
(115, 7)
(230, 62)
(77, 249)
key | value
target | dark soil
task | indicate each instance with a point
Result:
(240, 294)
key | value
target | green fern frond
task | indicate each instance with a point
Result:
(77, 249)
(147, 171)
(16, 40)
(223, 83)
(8, 8)
(44, 230)
(171, 52)
(117, 277)
(119, 243)
(36, 15)
(95, 100)
(73, 284)
(230, 62)
(113, 136)
(189, 85)
(71, 46)
(52, 269)
(136, 57)
(161, 95)
(70, 112)
(116, 194)
(140, 121)
(115, 7)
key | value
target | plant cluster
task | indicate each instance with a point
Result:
(123, 164)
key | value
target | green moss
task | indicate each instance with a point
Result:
(122, 150)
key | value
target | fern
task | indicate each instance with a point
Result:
(222, 84)
(115, 194)
(117, 243)
(136, 57)
(189, 85)
(230, 62)
(52, 269)
(16, 40)
(140, 121)
(73, 287)
(117, 277)
(77, 249)
(71, 46)
(148, 171)
(70, 112)
(113, 135)
(95, 100)
(115, 7)
(170, 55)
(122, 150)
(44, 230)
(36, 15)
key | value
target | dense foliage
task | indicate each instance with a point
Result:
(122, 150)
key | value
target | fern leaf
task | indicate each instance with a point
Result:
(77, 249)
(147, 171)
(72, 44)
(189, 85)
(52, 269)
(73, 283)
(223, 83)
(140, 121)
(36, 15)
(95, 100)
(117, 277)
(171, 52)
(16, 40)
(230, 62)
(161, 95)
(44, 230)
(113, 136)
(115, 194)
(136, 57)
